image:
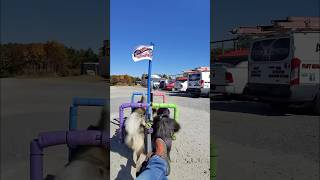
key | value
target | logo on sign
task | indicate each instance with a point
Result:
(142, 52)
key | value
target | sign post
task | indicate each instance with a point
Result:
(145, 52)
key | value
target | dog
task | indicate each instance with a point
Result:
(164, 127)
(135, 127)
(88, 162)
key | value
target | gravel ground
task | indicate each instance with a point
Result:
(255, 142)
(190, 152)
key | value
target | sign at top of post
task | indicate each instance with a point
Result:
(142, 52)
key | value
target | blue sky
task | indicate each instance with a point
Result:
(76, 23)
(229, 14)
(180, 30)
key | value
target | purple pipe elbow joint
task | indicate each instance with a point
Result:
(71, 138)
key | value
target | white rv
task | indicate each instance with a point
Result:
(199, 83)
(285, 69)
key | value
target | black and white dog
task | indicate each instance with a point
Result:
(164, 127)
(88, 162)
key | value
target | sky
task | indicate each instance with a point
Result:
(228, 14)
(76, 23)
(180, 30)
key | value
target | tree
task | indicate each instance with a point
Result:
(49, 57)
(57, 57)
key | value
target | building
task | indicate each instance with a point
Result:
(90, 68)
(104, 59)
(201, 68)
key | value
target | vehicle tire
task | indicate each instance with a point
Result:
(245, 91)
(316, 105)
(279, 107)
(196, 95)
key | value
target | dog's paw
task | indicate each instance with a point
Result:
(143, 123)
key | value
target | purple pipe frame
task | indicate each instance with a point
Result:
(121, 114)
(71, 138)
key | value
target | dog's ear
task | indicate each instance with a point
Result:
(163, 112)
(143, 99)
(103, 121)
(176, 126)
(103, 118)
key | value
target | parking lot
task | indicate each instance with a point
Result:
(190, 150)
(255, 142)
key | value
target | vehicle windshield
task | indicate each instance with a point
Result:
(271, 50)
(155, 79)
(194, 77)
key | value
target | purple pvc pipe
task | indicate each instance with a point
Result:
(121, 114)
(46, 139)
(71, 138)
(36, 161)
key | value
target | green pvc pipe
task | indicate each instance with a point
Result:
(167, 105)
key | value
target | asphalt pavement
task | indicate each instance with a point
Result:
(30, 106)
(258, 143)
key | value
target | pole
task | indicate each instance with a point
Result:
(149, 82)
(149, 109)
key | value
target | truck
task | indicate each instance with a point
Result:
(181, 84)
(155, 80)
(230, 73)
(284, 69)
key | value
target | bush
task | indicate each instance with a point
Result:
(122, 80)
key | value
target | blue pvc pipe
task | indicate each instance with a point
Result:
(73, 111)
(73, 115)
(82, 102)
(149, 88)
(149, 110)
(136, 94)
(88, 101)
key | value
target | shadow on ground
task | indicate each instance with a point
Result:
(123, 150)
(253, 107)
(182, 94)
